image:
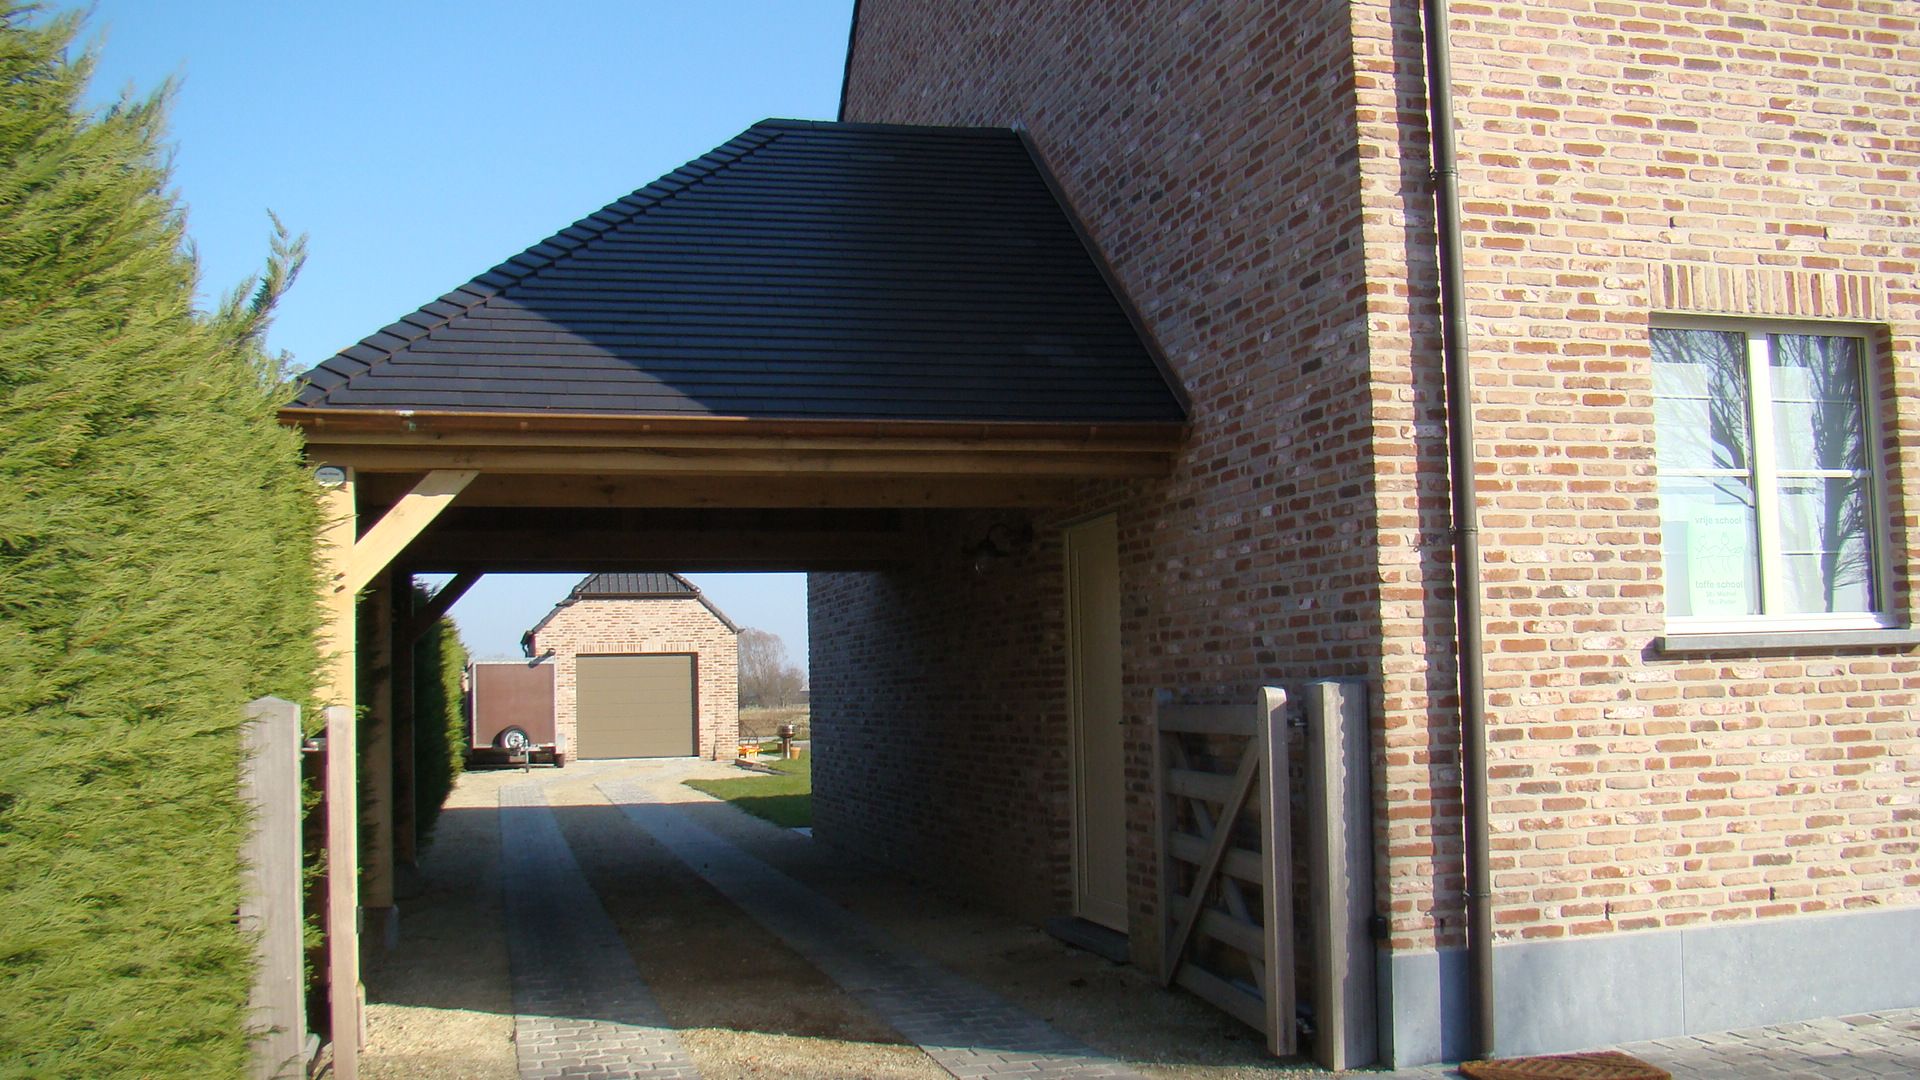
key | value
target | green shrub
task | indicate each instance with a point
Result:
(440, 719)
(156, 573)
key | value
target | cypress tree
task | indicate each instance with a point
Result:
(156, 573)
(440, 717)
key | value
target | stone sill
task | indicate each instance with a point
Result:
(1783, 640)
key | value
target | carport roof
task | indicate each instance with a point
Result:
(803, 271)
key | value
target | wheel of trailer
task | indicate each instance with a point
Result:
(512, 739)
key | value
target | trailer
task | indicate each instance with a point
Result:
(510, 703)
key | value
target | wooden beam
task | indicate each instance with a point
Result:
(1132, 440)
(324, 425)
(375, 551)
(745, 492)
(417, 623)
(893, 463)
(337, 691)
(534, 548)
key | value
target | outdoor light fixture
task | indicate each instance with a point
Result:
(1003, 540)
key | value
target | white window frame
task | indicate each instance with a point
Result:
(1763, 470)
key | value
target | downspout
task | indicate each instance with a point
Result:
(1466, 526)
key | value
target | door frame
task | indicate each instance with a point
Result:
(1076, 781)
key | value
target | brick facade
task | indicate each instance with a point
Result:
(1257, 173)
(1755, 159)
(640, 626)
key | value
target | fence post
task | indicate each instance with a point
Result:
(271, 905)
(1340, 870)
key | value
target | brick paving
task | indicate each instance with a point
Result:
(1873, 1045)
(580, 1009)
(968, 1030)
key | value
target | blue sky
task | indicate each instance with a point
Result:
(420, 143)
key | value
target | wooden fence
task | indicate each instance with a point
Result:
(1226, 898)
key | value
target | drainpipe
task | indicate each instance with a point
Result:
(1466, 526)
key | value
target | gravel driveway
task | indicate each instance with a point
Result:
(742, 1002)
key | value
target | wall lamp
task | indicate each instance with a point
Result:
(1003, 540)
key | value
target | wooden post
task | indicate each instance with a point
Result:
(350, 561)
(409, 627)
(338, 528)
(271, 908)
(1277, 896)
(376, 759)
(1340, 873)
(405, 816)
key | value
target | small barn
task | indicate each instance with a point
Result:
(643, 666)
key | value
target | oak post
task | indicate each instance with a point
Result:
(338, 530)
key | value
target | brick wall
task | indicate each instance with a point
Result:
(1741, 158)
(1257, 173)
(636, 626)
(939, 725)
(1212, 156)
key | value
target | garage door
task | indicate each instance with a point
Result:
(635, 706)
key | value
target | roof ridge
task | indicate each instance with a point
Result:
(379, 347)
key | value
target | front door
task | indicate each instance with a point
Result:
(1099, 792)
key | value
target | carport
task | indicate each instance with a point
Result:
(804, 351)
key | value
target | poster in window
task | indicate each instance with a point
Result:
(1720, 561)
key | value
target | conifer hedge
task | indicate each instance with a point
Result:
(156, 573)
(440, 719)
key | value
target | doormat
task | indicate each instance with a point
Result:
(1600, 1065)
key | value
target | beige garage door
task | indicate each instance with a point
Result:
(635, 706)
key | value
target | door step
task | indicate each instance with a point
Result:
(1094, 938)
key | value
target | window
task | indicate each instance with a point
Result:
(1767, 477)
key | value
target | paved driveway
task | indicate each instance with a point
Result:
(606, 921)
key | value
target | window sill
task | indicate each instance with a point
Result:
(1779, 640)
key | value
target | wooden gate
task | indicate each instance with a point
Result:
(1226, 908)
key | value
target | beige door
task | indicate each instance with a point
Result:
(1099, 792)
(635, 706)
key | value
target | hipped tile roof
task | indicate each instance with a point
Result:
(803, 270)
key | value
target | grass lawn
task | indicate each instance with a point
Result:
(786, 799)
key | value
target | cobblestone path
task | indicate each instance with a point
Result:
(968, 1030)
(580, 1009)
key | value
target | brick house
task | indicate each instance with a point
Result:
(1098, 352)
(1690, 238)
(644, 666)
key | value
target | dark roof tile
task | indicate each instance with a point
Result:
(628, 586)
(633, 584)
(802, 270)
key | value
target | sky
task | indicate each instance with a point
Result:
(419, 143)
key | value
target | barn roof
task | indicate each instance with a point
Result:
(804, 270)
(629, 586)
